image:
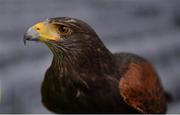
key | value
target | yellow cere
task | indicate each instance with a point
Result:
(46, 31)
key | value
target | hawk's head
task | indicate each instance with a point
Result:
(64, 33)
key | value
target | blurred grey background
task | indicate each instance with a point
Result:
(150, 28)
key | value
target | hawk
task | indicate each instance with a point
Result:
(85, 77)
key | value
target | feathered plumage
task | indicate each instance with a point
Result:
(85, 77)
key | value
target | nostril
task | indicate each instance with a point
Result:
(37, 28)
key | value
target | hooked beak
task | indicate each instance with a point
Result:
(43, 32)
(31, 35)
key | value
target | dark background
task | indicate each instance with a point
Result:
(150, 28)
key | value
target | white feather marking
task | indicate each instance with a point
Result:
(78, 93)
(71, 20)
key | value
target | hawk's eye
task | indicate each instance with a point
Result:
(64, 30)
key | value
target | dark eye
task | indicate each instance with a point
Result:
(64, 30)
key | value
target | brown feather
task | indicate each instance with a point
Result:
(140, 88)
